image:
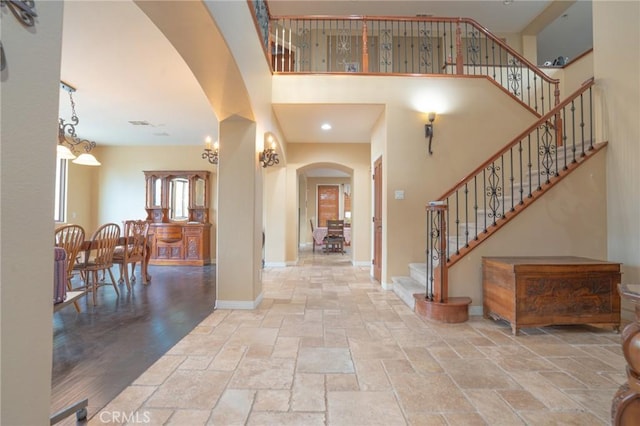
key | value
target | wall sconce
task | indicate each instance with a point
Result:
(211, 154)
(269, 156)
(428, 129)
(68, 140)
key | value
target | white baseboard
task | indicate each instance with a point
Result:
(239, 304)
(362, 263)
(275, 264)
(475, 311)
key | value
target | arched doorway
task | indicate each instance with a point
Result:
(324, 193)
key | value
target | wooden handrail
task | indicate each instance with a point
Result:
(586, 85)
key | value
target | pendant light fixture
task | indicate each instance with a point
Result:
(68, 140)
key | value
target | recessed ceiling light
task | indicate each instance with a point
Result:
(326, 126)
(139, 122)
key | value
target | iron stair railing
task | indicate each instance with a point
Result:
(508, 182)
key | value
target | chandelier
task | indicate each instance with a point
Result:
(68, 140)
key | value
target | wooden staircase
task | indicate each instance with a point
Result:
(501, 187)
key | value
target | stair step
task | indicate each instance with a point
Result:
(405, 288)
(418, 271)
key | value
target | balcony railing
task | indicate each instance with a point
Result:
(404, 46)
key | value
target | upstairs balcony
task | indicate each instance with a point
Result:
(417, 46)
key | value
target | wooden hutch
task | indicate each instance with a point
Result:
(177, 205)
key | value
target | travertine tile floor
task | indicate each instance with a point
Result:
(328, 346)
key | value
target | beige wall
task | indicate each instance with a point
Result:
(29, 102)
(115, 191)
(617, 74)
(82, 195)
(474, 119)
(275, 219)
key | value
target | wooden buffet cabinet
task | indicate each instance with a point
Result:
(177, 205)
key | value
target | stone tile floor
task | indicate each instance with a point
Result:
(328, 346)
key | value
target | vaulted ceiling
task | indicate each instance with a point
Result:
(133, 88)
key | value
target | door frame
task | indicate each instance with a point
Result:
(376, 262)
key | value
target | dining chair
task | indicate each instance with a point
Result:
(99, 257)
(70, 238)
(313, 236)
(334, 241)
(133, 251)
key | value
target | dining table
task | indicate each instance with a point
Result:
(321, 231)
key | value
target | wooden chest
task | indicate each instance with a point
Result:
(540, 291)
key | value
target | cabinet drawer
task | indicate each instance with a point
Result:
(168, 234)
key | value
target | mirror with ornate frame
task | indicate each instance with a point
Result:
(177, 195)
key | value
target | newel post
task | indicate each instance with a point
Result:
(435, 303)
(437, 251)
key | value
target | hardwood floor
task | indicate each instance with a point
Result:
(102, 349)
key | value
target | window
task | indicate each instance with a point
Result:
(61, 191)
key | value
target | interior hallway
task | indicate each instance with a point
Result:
(328, 346)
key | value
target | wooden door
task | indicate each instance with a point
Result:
(328, 203)
(377, 219)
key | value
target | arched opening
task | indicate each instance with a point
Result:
(324, 193)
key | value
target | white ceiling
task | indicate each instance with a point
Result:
(125, 70)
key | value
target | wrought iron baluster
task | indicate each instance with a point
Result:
(441, 51)
(546, 151)
(529, 84)
(582, 123)
(493, 59)
(514, 77)
(535, 92)
(473, 49)
(511, 178)
(466, 215)
(484, 197)
(413, 47)
(451, 41)
(494, 192)
(555, 149)
(520, 149)
(529, 165)
(563, 134)
(426, 49)
(572, 108)
(502, 180)
(475, 205)
(538, 156)
(405, 39)
(486, 53)
(591, 141)
(457, 224)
